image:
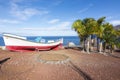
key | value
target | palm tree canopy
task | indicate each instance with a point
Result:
(100, 27)
(79, 27)
(101, 20)
(90, 25)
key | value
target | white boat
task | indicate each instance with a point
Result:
(18, 43)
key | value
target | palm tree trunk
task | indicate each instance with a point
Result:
(92, 44)
(104, 47)
(97, 44)
(100, 48)
(83, 45)
(111, 49)
(84, 49)
(88, 46)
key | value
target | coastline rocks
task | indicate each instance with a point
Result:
(3, 47)
(71, 44)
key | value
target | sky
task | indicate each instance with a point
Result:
(53, 17)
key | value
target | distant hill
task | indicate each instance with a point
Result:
(117, 27)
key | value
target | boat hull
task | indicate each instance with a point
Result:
(33, 48)
(14, 43)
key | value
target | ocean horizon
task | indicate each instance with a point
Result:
(66, 39)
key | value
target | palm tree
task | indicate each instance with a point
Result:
(104, 32)
(80, 29)
(85, 28)
(117, 42)
(99, 33)
(90, 25)
(108, 35)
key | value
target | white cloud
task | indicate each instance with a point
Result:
(63, 26)
(61, 29)
(85, 9)
(16, 1)
(9, 21)
(53, 21)
(25, 13)
(109, 17)
(112, 17)
(58, 2)
(115, 22)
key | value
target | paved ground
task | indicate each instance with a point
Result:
(81, 66)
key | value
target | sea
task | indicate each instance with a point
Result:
(66, 39)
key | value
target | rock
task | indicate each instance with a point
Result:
(71, 44)
(3, 47)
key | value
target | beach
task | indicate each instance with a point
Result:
(74, 66)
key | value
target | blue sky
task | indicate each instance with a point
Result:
(53, 17)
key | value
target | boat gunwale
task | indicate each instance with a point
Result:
(32, 41)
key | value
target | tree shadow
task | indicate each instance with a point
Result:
(2, 62)
(115, 56)
(79, 71)
(118, 50)
(74, 48)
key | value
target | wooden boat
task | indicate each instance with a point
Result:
(18, 43)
